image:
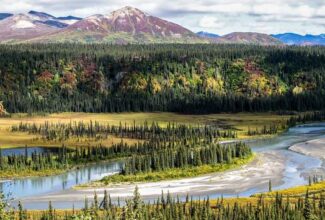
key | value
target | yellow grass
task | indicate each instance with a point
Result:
(298, 190)
(239, 122)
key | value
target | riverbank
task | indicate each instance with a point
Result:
(169, 174)
(257, 174)
(314, 148)
(25, 173)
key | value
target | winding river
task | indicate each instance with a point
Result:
(291, 169)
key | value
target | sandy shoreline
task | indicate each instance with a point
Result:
(313, 148)
(256, 175)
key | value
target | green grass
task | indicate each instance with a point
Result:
(22, 173)
(175, 173)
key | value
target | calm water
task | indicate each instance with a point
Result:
(298, 167)
(30, 151)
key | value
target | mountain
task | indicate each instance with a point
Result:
(126, 25)
(207, 34)
(60, 22)
(22, 27)
(5, 15)
(70, 19)
(248, 38)
(296, 39)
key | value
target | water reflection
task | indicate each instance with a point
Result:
(30, 150)
(20, 188)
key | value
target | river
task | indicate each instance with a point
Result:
(34, 192)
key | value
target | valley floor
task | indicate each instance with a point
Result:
(240, 123)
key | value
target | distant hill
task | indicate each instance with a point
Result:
(58, 22)
(23, 27)
(248, 38)
(5, 15)
(296, 39)
(207, 34)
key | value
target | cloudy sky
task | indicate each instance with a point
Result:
(217, 16)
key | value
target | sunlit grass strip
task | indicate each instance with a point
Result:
(169, 174)
(297, 191)
(22, 173)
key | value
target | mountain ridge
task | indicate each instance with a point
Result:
(248, 38)
(128, 25)
(207, 34)
(297, 39)
(5, 15)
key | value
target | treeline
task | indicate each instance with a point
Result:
(35, 162)
(265, 130)
(307, 117)
(184, 157)
(203, 152)
(167, 207)
(145, 131)
(178, 78)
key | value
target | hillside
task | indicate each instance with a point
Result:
(248, 38)
(202, 78)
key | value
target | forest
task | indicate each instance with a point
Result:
(175, 78)
(306, 207)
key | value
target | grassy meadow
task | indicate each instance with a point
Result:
(238, 122)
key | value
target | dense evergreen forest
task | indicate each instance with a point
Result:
(179, 78)
(307, 207)
(185, 157)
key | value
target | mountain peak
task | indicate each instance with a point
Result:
(127, 11)
(127, 24)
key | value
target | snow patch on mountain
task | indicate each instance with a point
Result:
(23, 24)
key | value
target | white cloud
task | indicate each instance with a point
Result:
(210, 22)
